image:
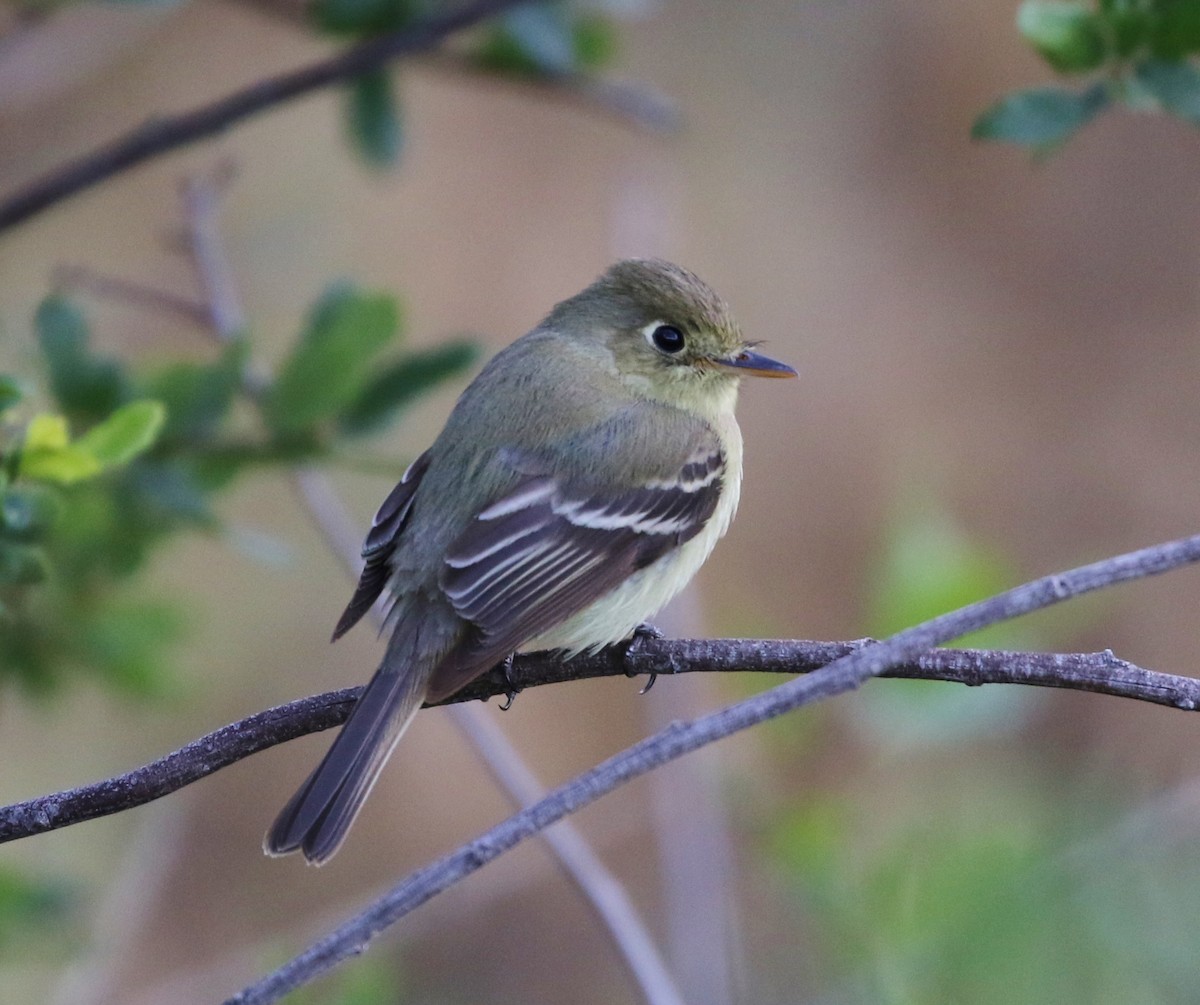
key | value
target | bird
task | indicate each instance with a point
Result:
(581, 480)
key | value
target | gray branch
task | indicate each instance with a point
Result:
(845, 673)
(1102, 673)
(161, 135)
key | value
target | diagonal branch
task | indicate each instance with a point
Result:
(843, 674)
(1101, 673)
(160, 135)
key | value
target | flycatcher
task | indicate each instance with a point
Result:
(581, 480)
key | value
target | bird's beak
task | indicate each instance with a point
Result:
(757, 365)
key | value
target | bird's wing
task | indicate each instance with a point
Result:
(386, 528)
(554, 544)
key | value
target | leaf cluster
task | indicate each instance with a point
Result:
(1136, 53)
(92, 487)
(535, 40)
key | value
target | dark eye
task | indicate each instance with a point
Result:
(667, 338)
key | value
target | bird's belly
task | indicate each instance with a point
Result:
(615, 615)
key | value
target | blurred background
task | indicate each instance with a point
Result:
(998, 380)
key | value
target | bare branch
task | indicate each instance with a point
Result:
(1101, 673)
(843, 674)
(160, 135)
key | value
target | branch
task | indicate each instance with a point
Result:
(1101, 673)
(843, 674)
(160, 135)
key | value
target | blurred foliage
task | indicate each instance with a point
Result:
(534, 40)
(1139, 53)
(30, 908)
(371, 981)
(90, 489)
(927, 566)
(986, 891)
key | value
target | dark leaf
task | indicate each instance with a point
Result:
(27, 512)
(198, 397)
(1175, 85)
(1069, 36)
(10, 391)
(1042, 117)
(374, 117)
(332, 358)
(362, 17)
(86, 386)
(397, 386)
(21, 564)
(1176, 29)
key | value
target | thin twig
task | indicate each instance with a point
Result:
(1101, 673)
(601, 890)
(843, 674)
(160, 135)
(127, 291)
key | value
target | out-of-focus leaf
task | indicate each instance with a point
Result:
(26, 512)
(375, 119)
(28, 905)
(362, 17)
(1176, 86)
(1041, 117)
(198, 397)
(1129, 23)
(129, 431)
(332, 358)
(595, 42)
(396, 387)
(1070, 36)
(532, 39)
(126, 642)
(48, 455)
(21, 564)
(929, 567)
(1176, 29)
(85, 385)
(10, 391)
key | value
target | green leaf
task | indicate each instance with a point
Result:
(374, 118)
(362, 17)
(1129, 24)
(1175, 85)
(21, 564)
(1176, 29)
(397, 386)
(30, 907)
(1041, 117)
(332, 358)
(84, 385)
(595, 42)
(48, 455)
(129, 431)
(1069, 36)
(10, 391)
(198, 397)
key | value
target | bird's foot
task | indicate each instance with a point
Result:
(640, 634)
(510, 695)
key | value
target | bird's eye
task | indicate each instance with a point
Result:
(668, 338)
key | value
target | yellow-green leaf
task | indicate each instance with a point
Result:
(126, 433)
(62, 465)
(46, 432)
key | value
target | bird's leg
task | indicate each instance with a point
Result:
(511, 694)
(640, 634)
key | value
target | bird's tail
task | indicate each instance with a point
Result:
(317, 817)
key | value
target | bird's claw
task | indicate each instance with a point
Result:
(510, 695)
(640, 634)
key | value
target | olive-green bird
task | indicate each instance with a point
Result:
(581, 480)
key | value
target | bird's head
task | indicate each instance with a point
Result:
(666, 331)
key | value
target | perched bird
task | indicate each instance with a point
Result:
(581, 480)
